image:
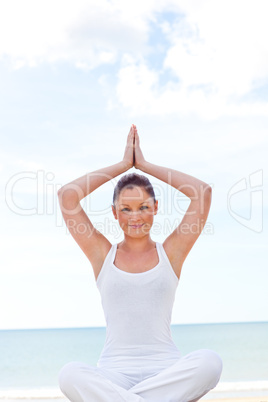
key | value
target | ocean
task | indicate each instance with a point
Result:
(31, 359)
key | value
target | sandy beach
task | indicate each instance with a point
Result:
(62, 399)
(242, 399)
(250, 391)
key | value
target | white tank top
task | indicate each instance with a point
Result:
(138, 309)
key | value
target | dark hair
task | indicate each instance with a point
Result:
(131, 180)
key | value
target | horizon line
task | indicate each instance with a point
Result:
(104, 327)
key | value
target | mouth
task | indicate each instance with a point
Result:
(136, 226)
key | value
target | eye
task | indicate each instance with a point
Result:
(127, 209)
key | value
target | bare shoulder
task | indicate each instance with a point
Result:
(176, 258)
(92, 242)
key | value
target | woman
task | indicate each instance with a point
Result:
(137, 280)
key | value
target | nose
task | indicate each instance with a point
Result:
(134, 218)
(134, 214)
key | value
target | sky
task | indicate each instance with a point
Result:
(74, 76)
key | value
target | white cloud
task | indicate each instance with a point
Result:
(138, 89)
(85, 33)
(32, 31)
(225, 46)
(215, 52)
(217, 55)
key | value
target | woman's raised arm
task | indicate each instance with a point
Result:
(179, 243)
(79, 188)
(93, 243)
(73, 192)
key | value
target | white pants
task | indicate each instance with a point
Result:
(187, 380)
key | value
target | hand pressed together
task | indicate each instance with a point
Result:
(133, 155)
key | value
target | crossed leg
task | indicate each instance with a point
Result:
(190, 378)
(81, 382)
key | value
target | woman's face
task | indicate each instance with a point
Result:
(135, 210)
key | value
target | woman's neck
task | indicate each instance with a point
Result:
(136, 244)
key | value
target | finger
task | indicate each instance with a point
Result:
(134, 151)
(137, 138)
(130, 134)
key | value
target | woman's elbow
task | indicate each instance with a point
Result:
(68, 195)
(205, 191)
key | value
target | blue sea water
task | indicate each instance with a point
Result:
(31, 359)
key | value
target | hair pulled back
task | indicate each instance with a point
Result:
(130, 181)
